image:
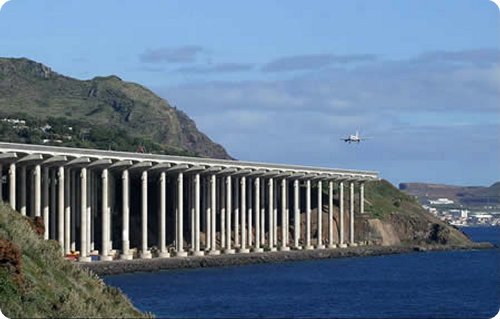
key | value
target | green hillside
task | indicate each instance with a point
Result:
(35, 281)
(404, 216)
(104, 112)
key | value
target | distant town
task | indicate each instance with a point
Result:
(459, 205)
(460, 215)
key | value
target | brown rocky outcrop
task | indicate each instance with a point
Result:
(10, 259)
(37, 225)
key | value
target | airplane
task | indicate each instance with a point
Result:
(354, 138)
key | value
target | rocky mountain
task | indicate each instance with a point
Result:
(465, 195)
(104, 112)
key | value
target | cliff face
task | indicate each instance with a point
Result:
(102, 103)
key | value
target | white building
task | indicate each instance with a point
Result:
(464, 213)
(441, 201)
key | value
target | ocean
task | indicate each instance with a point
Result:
(449, 284)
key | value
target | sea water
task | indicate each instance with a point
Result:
(449, 284)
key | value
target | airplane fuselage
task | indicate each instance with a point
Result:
(353, 138)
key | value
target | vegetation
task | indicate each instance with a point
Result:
(383, 198)
(411, 222)
(60, 131)
(35, 281)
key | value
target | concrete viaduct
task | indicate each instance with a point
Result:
(105, 202)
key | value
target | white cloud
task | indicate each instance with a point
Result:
(184, 54)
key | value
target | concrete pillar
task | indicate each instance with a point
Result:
(330, 215)
(45, 190)
(73, 196)
(197, 199)
(308, 215)
(243, 210)
(22, 177)
(60, 207)
(125, 217)
(275, 216)
(296, 217)
(163, 217)
(78, 202)
(111, 205)
(222, 211)
(208, 218)
(67, 212)
(362, 198)
(270, 211)
(88, 209)
(91, 208)
(94, 209)
(90, 217)
(12, 186)
(351, 219)
(263, 213)
(38, 190)
(284, 229)
(320, 245)
(105, 216)
(145, 253)
(90, 204)
(258, 230)
(236, 221)
(179, 242)
(83, 223)
(213, 207)
(342, 243)
(222, 204)
(53, 208)
(190, 196)
(249, 215)
(287, 217)
(228, 249)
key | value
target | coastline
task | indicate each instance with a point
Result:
(104, 268)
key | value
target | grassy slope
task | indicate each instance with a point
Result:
(52, 286)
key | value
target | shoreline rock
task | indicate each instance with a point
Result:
(104, 268)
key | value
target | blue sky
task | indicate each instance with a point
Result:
(283, 81)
